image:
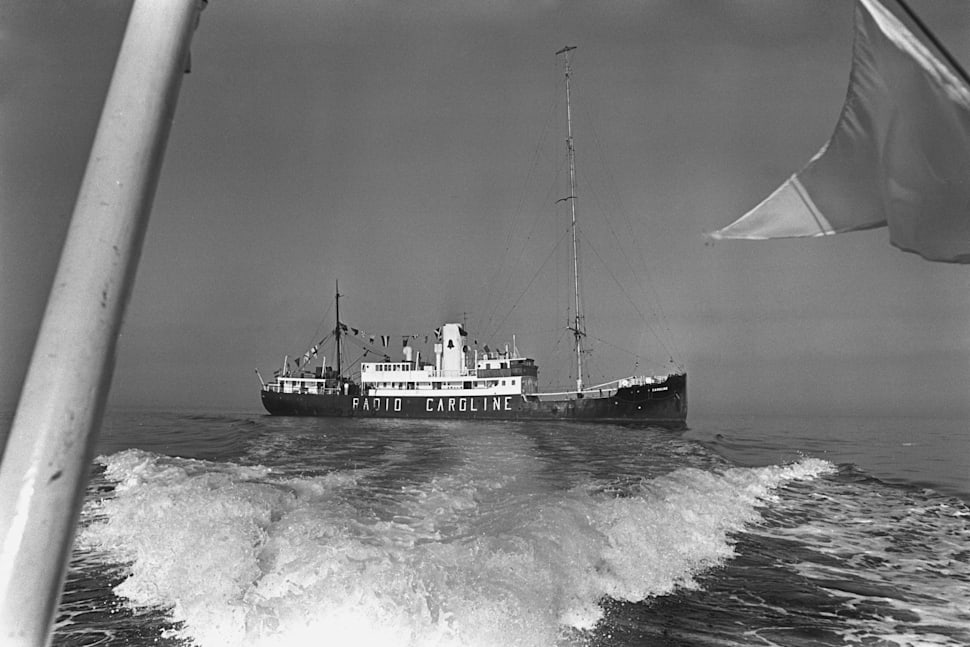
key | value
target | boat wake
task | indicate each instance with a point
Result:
(239, 555)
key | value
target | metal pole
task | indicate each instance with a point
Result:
(578, 328)
(337, 330)
(48, 455)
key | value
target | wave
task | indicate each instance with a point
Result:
(246, 555)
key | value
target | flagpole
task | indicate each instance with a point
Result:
(45, 467)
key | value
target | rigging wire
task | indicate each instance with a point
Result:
(529, 285)
(316, 333)
(630, 299)
(511, 275)
(349, 370)
(489, 309)
(647, 279)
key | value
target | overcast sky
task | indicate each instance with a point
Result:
(388, 145)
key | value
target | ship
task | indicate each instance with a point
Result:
(464, 382)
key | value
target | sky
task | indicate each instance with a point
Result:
(392, 146)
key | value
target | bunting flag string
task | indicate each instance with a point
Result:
(383, 340)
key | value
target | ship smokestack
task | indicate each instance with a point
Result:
(453, 356)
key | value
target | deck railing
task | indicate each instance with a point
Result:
(310, 387)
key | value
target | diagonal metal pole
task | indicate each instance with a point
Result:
(49, 449)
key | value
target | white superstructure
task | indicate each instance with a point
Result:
(456, 371)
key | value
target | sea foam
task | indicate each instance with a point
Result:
(242, 556)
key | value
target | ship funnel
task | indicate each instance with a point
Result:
(452, 354)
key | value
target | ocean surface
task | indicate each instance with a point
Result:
(248, 530)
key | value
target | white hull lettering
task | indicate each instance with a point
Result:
(469, 404)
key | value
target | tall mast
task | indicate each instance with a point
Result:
(337, 330)
(578, 328)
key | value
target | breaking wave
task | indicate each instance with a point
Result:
(248, 555)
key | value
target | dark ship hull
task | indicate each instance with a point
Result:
(662, 404)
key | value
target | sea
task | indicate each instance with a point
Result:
(241, 529)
